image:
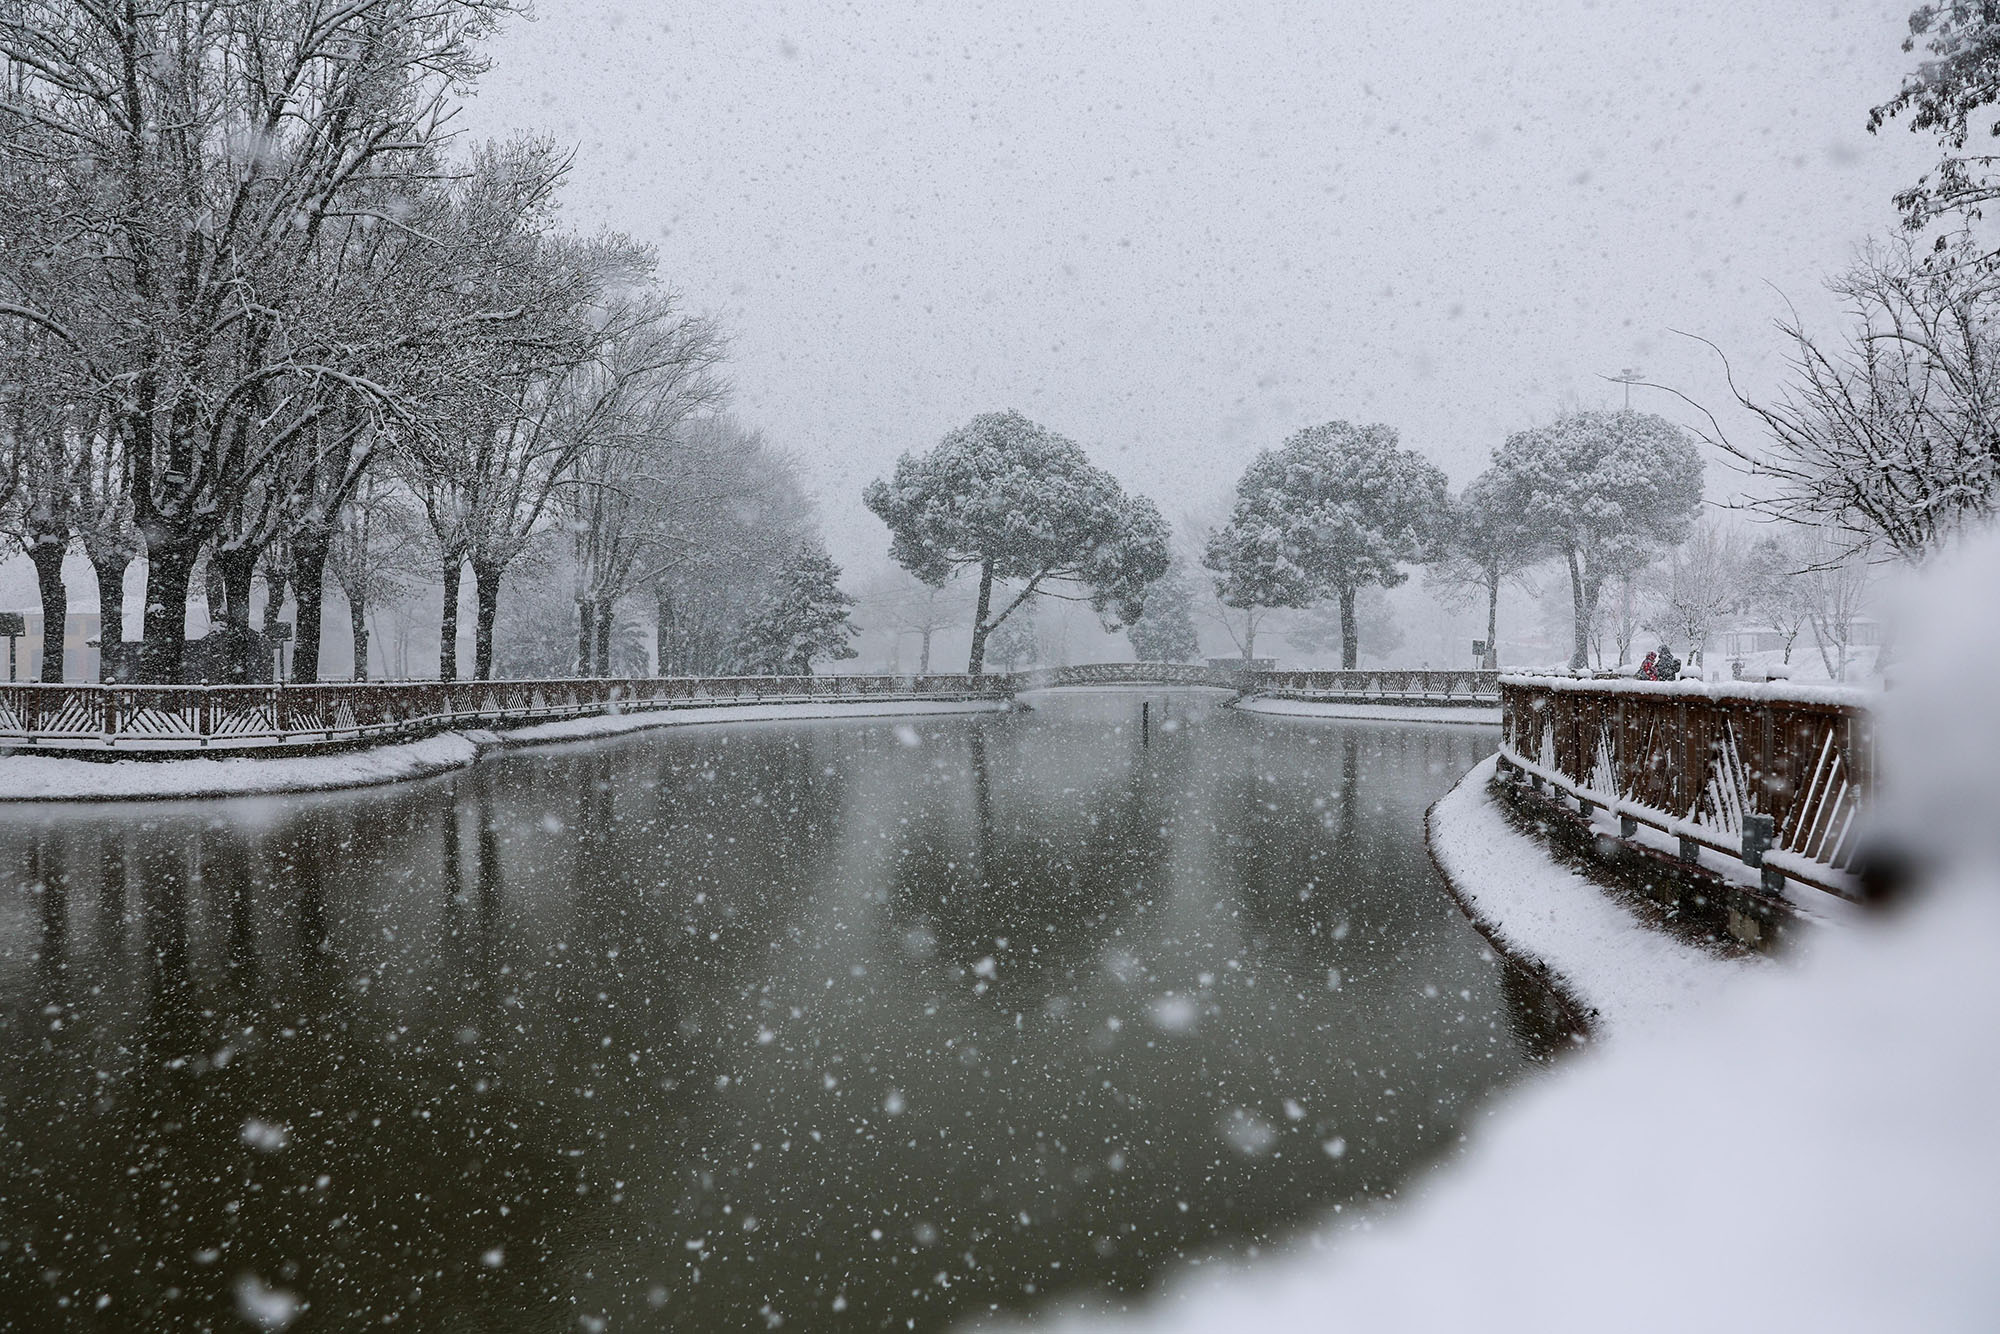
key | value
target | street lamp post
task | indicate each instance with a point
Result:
(1628, 377)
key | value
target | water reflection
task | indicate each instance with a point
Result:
(832, 1024)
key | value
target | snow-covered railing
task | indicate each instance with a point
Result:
(1775, 775)
(1471, 687)
(211, 718)
(1356, 687)
(1131, 673)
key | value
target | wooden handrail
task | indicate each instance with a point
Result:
(1793, 767)
(99, 717)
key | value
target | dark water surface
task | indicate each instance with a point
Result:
(832, 1025)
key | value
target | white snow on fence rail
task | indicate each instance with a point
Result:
(1756, 692)
(69, 778)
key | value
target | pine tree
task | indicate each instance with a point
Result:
(1017, 502)
(1336, 508)
(1166, 632)
(806, 619)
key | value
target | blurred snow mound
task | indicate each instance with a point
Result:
(1811, 1150)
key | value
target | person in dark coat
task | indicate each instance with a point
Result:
(1646, 672)
(1666, 666)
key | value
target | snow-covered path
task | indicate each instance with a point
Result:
(1633, 977)
(65, 778)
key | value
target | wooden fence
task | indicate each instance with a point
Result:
(140, 718)
(1776, 776)
(1348, 687)
(179, 718)
(1447, 688)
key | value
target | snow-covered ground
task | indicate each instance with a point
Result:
(63, 778)
(1800, 1145)
(1633, 977)
(1394, 713)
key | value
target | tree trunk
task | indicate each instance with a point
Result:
(308, 589)
(454, 567)
(237, 569)
(486, 593)
(1580, 610)
(586, 623)
(47, 556)
(977, 663)
(218, 598)
(1249, 637)
(357, 621)
(605, 616)
(1492, 625)
(924, 656)
(663, 619)
(1350, 649)
(163, 633)
(110, 569)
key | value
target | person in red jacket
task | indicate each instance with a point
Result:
(1646, 672)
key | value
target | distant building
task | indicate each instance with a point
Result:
(79, 648)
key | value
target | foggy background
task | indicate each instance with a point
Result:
(1178, 232)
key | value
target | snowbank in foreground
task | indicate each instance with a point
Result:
(63, 778)
(1634, 977)
(1809, 1147)
(1816, 1153)
(1388, 713)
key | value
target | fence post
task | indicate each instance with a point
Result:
(1758, 832)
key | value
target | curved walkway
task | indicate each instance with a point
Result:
(1628, 976)
(65, 778)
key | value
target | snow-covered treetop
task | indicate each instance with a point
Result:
(1336, 506)
(1606, 490)
(1004, 492)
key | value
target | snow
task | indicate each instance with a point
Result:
(1634, 977)
(1790, 692)
(1812, 1151)
(1805, 1145)
(1396, 713)
(66, 778)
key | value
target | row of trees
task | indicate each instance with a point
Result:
(1340, 508)
(1334, 511)
(257, 321)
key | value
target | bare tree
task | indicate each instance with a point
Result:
(376, 553)
(1623, 609)
(629, 487)
(1700, 582)
(41, 455)
(215, 139)
(913, 607)
(1836, 581)
(1778, 587)
(724, 552)
(1888, 433)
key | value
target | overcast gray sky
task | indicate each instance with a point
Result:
(1178, 231)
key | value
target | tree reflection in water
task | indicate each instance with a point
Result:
(843, 1024)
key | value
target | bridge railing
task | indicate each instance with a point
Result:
(1383, 687)
(84, 717)
(1131, 673)
(1777, 776)
(1360, 687)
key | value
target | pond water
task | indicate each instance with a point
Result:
(868, 1024)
